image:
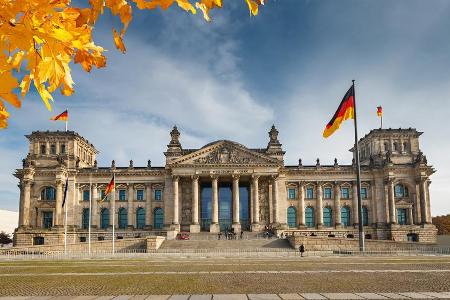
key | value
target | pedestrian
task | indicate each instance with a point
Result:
(242, 234)
(219, 234)
(301, 249)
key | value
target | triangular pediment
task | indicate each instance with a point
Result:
(225, 153)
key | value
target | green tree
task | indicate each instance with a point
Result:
(5, 238)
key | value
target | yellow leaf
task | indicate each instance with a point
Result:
(8, 84)
(16, 61)
(253, 7)
(152, 4)
(119, 42)
(25, 85)
(187, 6)
(45, 95)
(205, 11)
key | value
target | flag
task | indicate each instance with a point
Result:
(345, 111)
(64, 116)
(65, 191)
(109, 188)
(379, 111)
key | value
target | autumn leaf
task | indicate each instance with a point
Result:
(119, 42)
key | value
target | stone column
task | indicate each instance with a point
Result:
(392, 208)
(214, 227)
(319, 205)
(301, 206)
(373, 203)
(94, 215)
(410, 216)
(148, 205)
(417, 210)
(21, 186)
(337, 205)
(275, 206)
(355, 204)
(58, 204)
(130, 209)
(176, 201)
(236, 208)
(255, 184)
(423, 201)
(26, 214)
(195, 225)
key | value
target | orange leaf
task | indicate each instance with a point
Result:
(8, 84)
(119, 42)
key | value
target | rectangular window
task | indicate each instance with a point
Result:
(86, 195)
(291, 194)
(122, 195)
(47, 219)
(158, 195)
(140, 195)
(309, 193)
(364, 193)
(345, 193)
(63, 148)
(401, 216)
(327, 193)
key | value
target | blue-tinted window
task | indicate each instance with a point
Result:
(364, 193)
(48, 194)
(401, 216)
(292, 217)
(401, 191)
(47, 219)
(345, 193)
(345, 216)
(327, 217)
(158, 218)
(205, 207)
(104, 218)
(158, 195)
(244, 214)
(140, 195)
(291, 193)
(86, 195)
(85, 218)
(123, 218)
(140, 218)
(122, 195)
(365, 216)
(309, 193)
(309, 217)
(327, 193)
(225, 200)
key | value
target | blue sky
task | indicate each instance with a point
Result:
(235, 77)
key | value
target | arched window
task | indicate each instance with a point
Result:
(396, 147)
(309, 217)
(85, 218)
(123, 218)
(62, 148)
(327, 217)
(140, 218)
(104, 218)
(53, 149)
(405, 147)
(365, 216)
(48, 193)
(345, 216)
(401, 191)
(43, 150)
(292, 217)
(158, 217)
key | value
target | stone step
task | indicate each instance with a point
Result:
(227, 244)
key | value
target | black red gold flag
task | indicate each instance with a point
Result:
(345, 111)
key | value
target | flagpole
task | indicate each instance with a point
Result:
(113, 212)
(65, 206)
(358, 177)
(90, 213)
(67, 119)
(381, 121)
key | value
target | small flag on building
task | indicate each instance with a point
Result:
(345, 111)
(65, 191)
(109, 189)
(64, 116)
(379, 111)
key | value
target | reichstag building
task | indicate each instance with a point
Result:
(224, 185)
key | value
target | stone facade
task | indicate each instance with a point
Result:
(223, 185)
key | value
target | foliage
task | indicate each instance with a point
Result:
(39, 38)
(443, 224)
(5, 239)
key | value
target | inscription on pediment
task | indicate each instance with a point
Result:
(226, 155)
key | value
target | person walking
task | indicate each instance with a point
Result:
(301, 249)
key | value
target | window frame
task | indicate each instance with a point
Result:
(157, 194)
(310, 221)
(86, 195)
(138, 192)
(309, 192)
(347, 194)
(325, 194)
(329, 211)
(291, 193)
(122, 195)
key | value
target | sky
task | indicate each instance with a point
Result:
(235, 77)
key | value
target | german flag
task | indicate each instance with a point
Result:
(64, 116)
(379, 111)
(111, 186)
(345, 111)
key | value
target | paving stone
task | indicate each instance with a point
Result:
(179, 297)
(122, 297)
(312, 296)
(371, 296)
(394, 296)
(230, 297)
(139, 297)
(42, 298)
(84, 298)
(290, 296)
(200, 297)
(437, 295)
(158, 297)
(104, 298)
(416, 296)
(263, 297)
(14, 298)
(342, 296)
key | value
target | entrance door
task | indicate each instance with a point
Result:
(205, 207)
(225, 206)
(244, 207)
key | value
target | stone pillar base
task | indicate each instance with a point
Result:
(302, 226)
(171, 234)
(214, 228)
(339, 226)
(194, 228)
(283, 226)
(175, 227)
(319, 226)
(256, 227)
(237, 228)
